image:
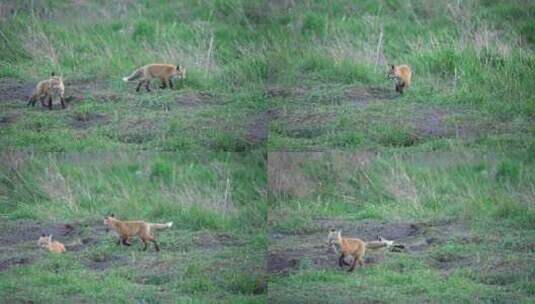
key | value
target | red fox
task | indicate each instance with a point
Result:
(53, 246)
(127, 229)
(165, 72)
(353, 247)
(402, 74)
(51, 89)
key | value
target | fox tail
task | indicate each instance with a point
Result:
(136, 74)
(161, 226)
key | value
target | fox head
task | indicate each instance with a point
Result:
(180, 72)
(334, 239)
(108, 221)
(392, 72)
(44, 241)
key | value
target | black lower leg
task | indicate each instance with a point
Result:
(126, 243)
(353, 265)
(170, 83)
(139, 86)
(145, 248)
(62, 102)
(156, 245)
(147, 86)
(341, 261)
(50, 103)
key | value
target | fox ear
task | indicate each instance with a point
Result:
(392, 66)
(43, 235)
(52, 74)
(112, 215)
(178, 67)
(333, 229)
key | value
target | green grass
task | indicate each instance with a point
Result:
(469, 56)
(213, 251)
(93, 48)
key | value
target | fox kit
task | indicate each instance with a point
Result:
(53, 246)
(402, 74)
(127, 229)
(165, 72)
(50, 89)
(355, 248)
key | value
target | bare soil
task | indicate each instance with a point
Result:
(289, 252)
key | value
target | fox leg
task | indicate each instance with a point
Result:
(125, 241)
(353, 265)
(32, 101)
(139, 85)
(170, 83)
(156, 245)
(164, 83)
(63, 106)
(147, 83)
(341, 261)
(50, 102)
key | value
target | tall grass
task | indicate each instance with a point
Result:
(213, 191)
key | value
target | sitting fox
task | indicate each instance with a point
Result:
(128, 229)
(53, 246)
(50, 89)
(165, 72)
(353, 247)
(402, 75)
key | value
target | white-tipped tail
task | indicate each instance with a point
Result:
(161, 226)
(135, 75)
(125, 79)
(169, 224)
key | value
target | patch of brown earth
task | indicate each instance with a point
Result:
(361, 96)
(310, 250)
(194, 99)
(258, 127)
(84, 120)
(12, 89)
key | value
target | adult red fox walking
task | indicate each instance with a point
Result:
(53, 246)
(402, 74)
(51, 89)
(128, 229)
(353, 247)
(165, 72)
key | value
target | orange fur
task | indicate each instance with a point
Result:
(50, 89)
(164, 72)
(128, 229)
(402, 74)
(52, 246)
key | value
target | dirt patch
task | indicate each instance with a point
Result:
(361, 96)
(13, 89)
(194, 99)
(289, 252)
(257, 129)
(102, 261)
(430, 123)
(8, 118)
(16, 261)
(283, 92)
(83, 120)
(214, 241)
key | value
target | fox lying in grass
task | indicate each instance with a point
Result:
(128, 229)
(165, 72)
(402, 74)
(53, 246)
(51, 89)
(354, 247)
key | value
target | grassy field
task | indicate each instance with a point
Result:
(465, 216)
(285, 127)
(446, 169)
(472, 62)
(220, 106)
(215, 250)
